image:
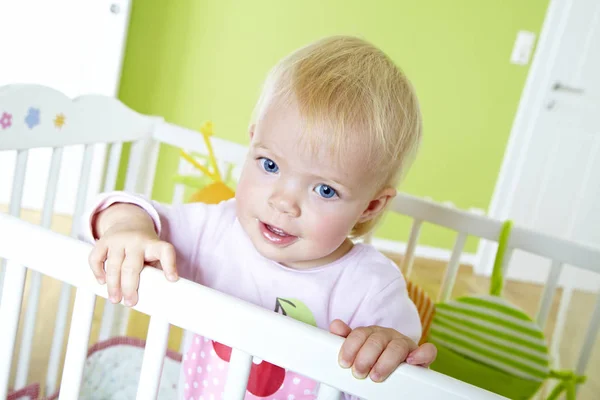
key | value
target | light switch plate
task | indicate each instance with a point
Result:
(522, 48)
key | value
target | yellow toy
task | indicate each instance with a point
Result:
(214, 192)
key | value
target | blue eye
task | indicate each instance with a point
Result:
(325, 191)
(269, 165)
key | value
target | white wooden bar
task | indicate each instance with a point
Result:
(451, 218)
(452, 269)
(112, 166)
(555, 248)
(548, 295)
(154, 356)
(191, 140)
(409, 255)
(65, 292)
(10, 309)
(251, 328)
(110, 182)
(77, 346)
(238, 373)
(36, 278)
(590, 339)
(13, 284)
(328, 393)
(561, 320)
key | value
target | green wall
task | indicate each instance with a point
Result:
(192, 60)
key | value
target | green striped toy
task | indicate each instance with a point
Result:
(490, 343)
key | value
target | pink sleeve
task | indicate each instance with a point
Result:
(390, 308)
(181, 225)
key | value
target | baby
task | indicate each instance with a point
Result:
(335, 128)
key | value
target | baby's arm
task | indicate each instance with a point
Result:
(127, 240)
(131, 231)
(383, 335)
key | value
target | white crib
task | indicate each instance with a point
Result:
(93, 122)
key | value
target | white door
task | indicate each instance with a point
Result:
(551, 177)
(75, 47)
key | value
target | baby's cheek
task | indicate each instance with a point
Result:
(331, 229)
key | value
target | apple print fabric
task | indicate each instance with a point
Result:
(361, 288)
(205, 366)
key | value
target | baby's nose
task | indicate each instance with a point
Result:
(285, 204)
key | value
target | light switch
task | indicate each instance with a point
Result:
(522, 48)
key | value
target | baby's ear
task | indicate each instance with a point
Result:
(378, 204)
(251, 130)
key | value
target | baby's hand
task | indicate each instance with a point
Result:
(377, 352)
(126, 247)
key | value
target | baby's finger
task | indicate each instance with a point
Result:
(130, 276)
(340, 328)
(351, 346)
(369, 353)
(164, 252)
(423, 356)
(96, 260)
(113, 273)
(394, 354)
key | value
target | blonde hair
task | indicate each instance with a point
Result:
(351, 87)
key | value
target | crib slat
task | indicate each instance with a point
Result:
(139, 180)
(328, 393)
(36, 278)
(590, 339)
(79, 336)
(13, 283)
(110, 183)
(559, 327)
(65, 292)
(452, 269)
(240, 365)
(10, 309)
(16, 196)
(548, 295)
(112, 166)
(409, 256)
(154, 355)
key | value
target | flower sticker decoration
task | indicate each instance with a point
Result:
(59, 121)
(33, 117)
(6, 120)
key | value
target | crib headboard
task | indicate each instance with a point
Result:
(38, 117)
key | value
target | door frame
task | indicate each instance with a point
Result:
(530, 105)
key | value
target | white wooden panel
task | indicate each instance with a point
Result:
(248, 327)
(77, 346)
(154, 355)
(10, 310)
(87, 119)
(238, 373)
(590, 339)
(452, 269)
(328, 393)
(438, 214)
(190, 140)
(65, 292)
(409, 255)
(36, 279)
(13, 283)
(548, 295)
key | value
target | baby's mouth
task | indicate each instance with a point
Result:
(277, 231)
(275, 235)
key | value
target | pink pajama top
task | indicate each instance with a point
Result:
(362, 288)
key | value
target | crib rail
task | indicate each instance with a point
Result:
(247, 328)
(559, 251)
